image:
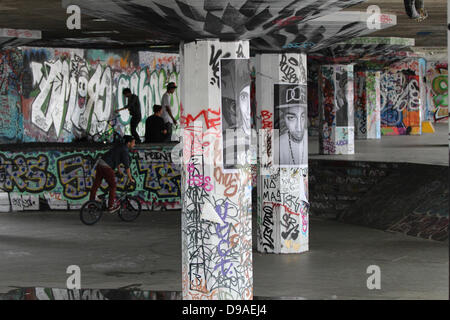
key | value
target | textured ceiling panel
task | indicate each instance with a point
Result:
(271, 24)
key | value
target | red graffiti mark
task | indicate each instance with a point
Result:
(210, 122)
(385, 18)
(266, 119)
(12, 33)
(276, 204)
(442, 66)
(285, 22)
(194, 142)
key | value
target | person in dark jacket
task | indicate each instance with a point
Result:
(134, 108)
(106, 166)
(155, 128)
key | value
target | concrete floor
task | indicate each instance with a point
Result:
(36, 248)
(428, 148)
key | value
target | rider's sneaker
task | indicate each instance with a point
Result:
(114, 208)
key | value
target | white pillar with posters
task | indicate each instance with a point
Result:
(336, 118)
(281, 97)
(367, 105)
(216, 205)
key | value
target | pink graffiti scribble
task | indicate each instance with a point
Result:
(198, 180)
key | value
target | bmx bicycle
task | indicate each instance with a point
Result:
(109, 134)
(129, 207)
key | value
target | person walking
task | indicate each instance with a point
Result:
(134, 108)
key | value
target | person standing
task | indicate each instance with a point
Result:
(155, 129)
(134, 108)
(167, 116)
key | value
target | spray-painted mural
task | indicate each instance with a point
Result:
(65, 178)
(437, 91)
(367, 105)
(401, 99)
(67, 94)
(10, 87)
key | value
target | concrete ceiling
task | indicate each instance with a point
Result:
(431, 32)
(376, 52)
(139, 23)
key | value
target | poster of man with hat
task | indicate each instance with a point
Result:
(291, 142)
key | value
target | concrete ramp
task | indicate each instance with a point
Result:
(408, 198)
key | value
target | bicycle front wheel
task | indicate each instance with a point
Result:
(130, 209)
(91, 212)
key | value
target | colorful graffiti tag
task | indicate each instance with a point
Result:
(401, 99)
(65, 94)
(437, 91)
(367, 105)
(68, 176)
(10, 88)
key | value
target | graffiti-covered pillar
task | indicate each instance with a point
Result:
(281, 95)
(402, 98)
(216, 178)
(367, 105)
(336, 120)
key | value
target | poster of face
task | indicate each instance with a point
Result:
(341, 98)
(290, 119)
(236, 123)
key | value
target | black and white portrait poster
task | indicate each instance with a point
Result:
(290, 118)
(236, 123)
(341, 98)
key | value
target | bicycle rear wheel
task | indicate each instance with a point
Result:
(91, 212)
(130, 209)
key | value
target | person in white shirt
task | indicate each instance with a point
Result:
(167, 115)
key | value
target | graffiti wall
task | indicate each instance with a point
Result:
(64, 179)
(367, 105)
(55, 94)
(11, 124)
(437, 91)
(336, 114)
(401, 101)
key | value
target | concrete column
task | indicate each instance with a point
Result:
(336, 122)
(367, 105)
(216, 196)
(281, 92)
(401, 98)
